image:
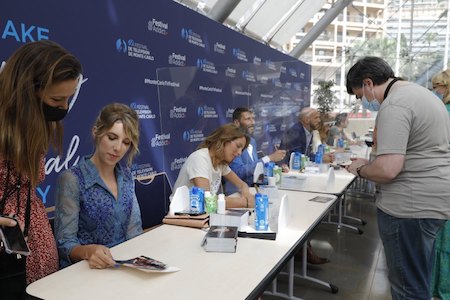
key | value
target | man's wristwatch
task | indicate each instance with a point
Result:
(358, 170)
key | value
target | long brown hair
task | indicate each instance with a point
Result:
(24, 134)
(112, 113)
(216, 141)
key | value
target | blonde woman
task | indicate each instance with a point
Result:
(96, 204)
(441, 83)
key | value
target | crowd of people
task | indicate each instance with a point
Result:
(411, 167)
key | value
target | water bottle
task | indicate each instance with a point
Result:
(210, 202)
(268, 171)
(318, 158)
(261, 212)
(340, 143)
(277, 174)
(221, 204)
(295, 162)
(197, 199)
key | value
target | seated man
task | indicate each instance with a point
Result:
(244, 165)
(299, 137)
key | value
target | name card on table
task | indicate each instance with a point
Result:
(180, 200)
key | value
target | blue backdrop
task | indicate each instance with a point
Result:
(182, 72)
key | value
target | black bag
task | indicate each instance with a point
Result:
(11, 265)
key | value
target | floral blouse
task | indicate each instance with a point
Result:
(43, 259)
(86, 212)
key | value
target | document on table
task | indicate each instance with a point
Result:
(321, 199)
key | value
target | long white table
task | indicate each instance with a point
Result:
(318, 183)
(203, 275)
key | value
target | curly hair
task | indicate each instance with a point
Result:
(217, 140)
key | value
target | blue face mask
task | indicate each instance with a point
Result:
(373, 105)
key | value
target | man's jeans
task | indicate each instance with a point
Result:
(409, 249)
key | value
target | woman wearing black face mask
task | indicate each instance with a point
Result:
(35, 85)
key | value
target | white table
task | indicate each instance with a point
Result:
(318, 183)
(241, 275)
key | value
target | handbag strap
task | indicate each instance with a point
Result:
(7, 193)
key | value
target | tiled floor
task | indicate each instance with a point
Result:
(357, 264)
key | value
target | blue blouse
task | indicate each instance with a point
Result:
(86, 212)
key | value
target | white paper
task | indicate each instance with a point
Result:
(259, 169)
(180, 200)
(331, 177)
(284, 214)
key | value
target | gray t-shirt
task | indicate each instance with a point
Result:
(413, 123)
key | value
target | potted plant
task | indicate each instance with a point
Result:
(325, 97)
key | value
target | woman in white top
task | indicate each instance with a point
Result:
(205, 167)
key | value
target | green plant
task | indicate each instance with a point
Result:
(325, 97)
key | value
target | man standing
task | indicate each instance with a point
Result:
(412, 167)
(244, 165)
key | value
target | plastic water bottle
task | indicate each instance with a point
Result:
(221, 204)
(261, 212)
(268, 171)
(197, 199)
(210, 202)
(295, 161)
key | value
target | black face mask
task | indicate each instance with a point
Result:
(53, 114)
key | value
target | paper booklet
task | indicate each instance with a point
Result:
(146, 264)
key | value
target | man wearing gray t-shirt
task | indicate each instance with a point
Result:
(412, 167)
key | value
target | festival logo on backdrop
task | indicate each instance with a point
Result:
(240, 54)
(220, 48)
(143, 111)
(230, 72)
(134, 49)
(206, 66)
(177, 59)
(207, 112)
(229, 113)
(270, 65)
(160, 140)
(256, 60)
(193, 38)
(178, 112)
(177, 163)
(193, 136)
(249, 76)
(140, 170)
(158, 26)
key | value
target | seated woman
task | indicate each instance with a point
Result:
(96, 204)
(337, 131)
(205, 167)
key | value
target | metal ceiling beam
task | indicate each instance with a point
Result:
(312, 35)
(222, 9)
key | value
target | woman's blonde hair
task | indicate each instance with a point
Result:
(25, 135)
(112, 113)
(442, 79)
(216, 141)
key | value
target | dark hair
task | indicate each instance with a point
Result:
(25, 135)
(112, 113)
(371, 67)
(216, 141)
(340, 118)
(239, 111)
